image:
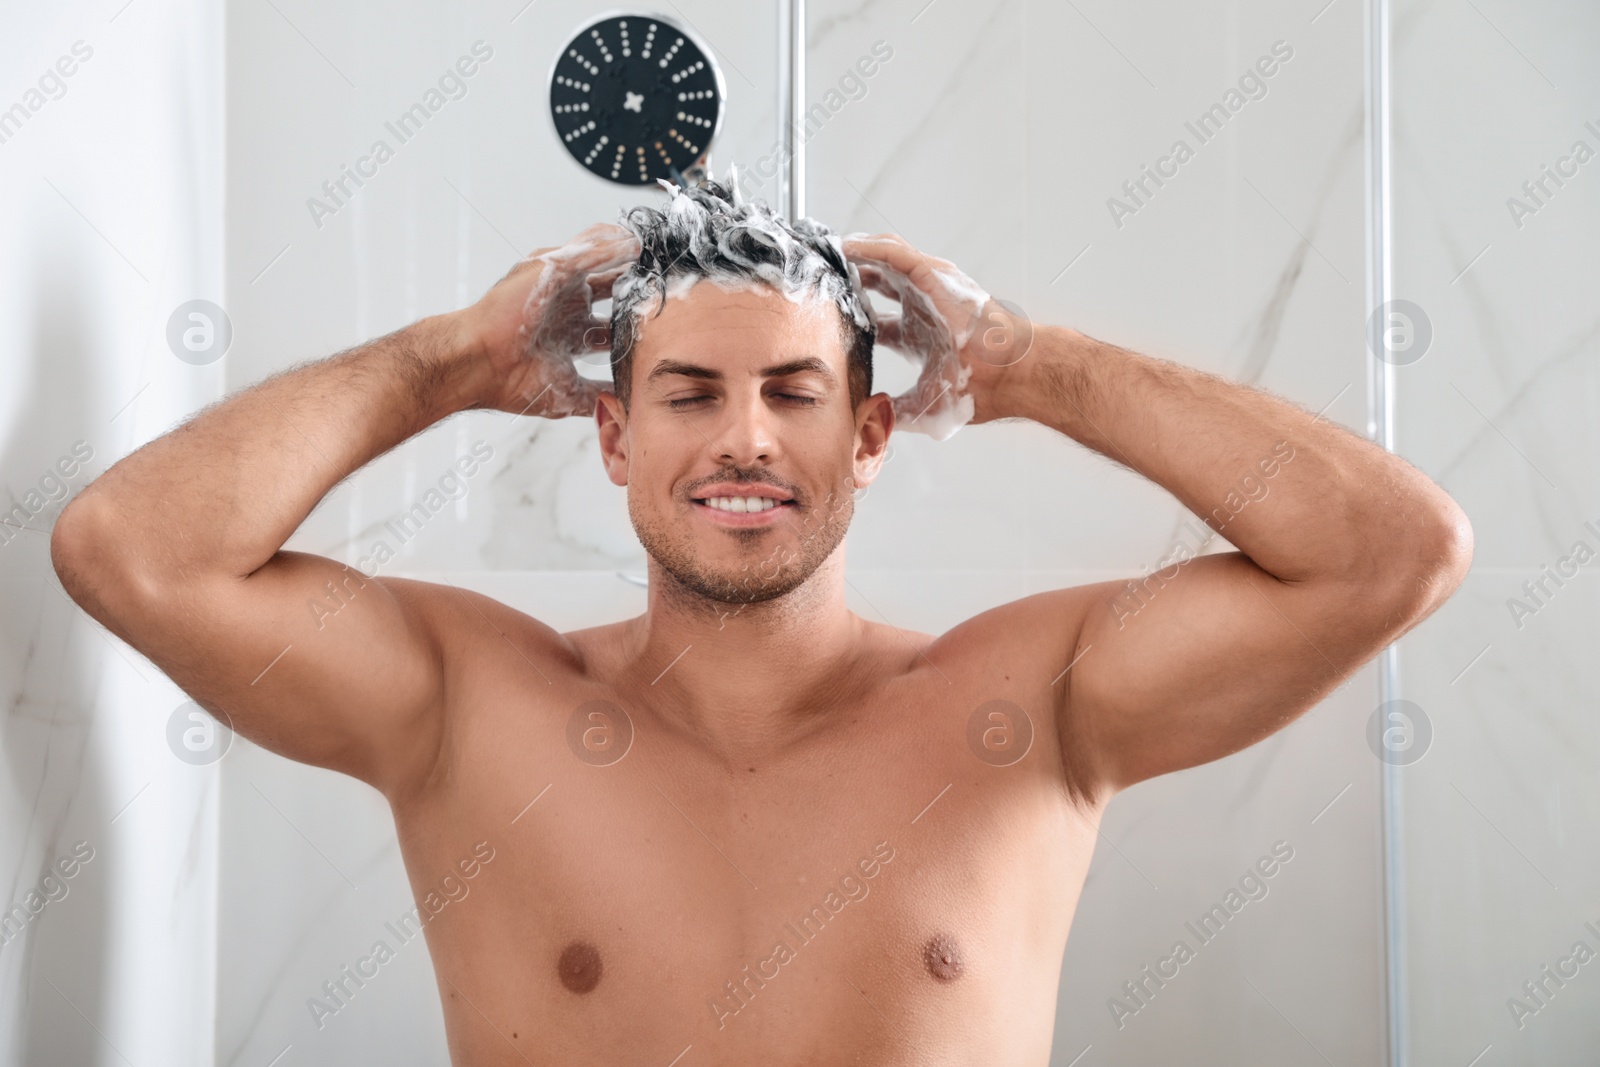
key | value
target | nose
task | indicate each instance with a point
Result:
(745, 433)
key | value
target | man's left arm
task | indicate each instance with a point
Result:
(1342, 546)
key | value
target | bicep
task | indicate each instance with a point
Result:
(1196, 662)
(308, 658)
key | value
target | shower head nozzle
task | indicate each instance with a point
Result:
(637, 98)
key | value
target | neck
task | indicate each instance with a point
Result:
(745, 679)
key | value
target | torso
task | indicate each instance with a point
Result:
(635, 911)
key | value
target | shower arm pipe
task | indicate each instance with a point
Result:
(791, 103)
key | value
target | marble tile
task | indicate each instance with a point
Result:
(996, 136)
(1499, 817)
(110, 200)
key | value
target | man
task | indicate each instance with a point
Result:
(749, 825)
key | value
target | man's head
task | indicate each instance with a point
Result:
(742, 367)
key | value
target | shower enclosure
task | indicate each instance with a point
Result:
(1386, 211)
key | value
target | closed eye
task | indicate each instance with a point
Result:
(685, 401)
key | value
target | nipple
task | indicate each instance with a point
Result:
(579, 967)
(943, 957)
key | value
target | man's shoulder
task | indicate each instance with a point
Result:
(471, 628)
(1038, 627)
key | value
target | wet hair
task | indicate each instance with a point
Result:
(709, 231)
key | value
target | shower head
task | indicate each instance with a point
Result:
(636, 98)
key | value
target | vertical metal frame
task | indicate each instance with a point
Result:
(1381, 429)
(791, 104)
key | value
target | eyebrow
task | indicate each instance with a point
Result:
(812, 364)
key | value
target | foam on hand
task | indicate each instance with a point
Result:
(931, 330)
(558, 314)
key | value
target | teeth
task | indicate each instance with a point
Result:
(742, 503)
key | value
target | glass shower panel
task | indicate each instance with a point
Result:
(1018, 140)
(1496, 208)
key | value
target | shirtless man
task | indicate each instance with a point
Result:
(766, 830)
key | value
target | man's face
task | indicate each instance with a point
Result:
(742, 394)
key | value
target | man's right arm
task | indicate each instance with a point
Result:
(177, 548)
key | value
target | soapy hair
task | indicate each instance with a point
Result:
(709, 231)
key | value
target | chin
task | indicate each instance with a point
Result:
(740, 583)
(755, 566)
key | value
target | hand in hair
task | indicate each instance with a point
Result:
(530, 327)
(962, 337)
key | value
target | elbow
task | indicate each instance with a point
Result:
(1455, 544)
(1432, 566)
(85, 551)
(71, 548)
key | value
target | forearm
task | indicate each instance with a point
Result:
(220, 494)
(1301, 496)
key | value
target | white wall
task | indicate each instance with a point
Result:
(111, 210)
(994, 136)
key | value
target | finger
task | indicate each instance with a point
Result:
(613, 235)
(528, 263)
(890, 283)
(865, 244)
(916, 304)
(604, 256)
(888, 250)
(574, 400)
(910, 351)
(908, 271)
(907, 413)
(862, 235)
(596, 249)
(601, 282)
(618, 247)
(588, 397)
(600, 231)
(889, 330)
(882, 278)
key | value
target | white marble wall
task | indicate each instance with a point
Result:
(1502, 816)
(111, 211)
(994, 136)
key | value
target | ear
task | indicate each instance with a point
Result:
(874, 424)
(612, 423)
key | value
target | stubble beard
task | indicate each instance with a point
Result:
(800, 544)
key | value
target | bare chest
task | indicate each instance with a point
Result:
(881, 885)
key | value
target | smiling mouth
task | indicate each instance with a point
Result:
(743, 504)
